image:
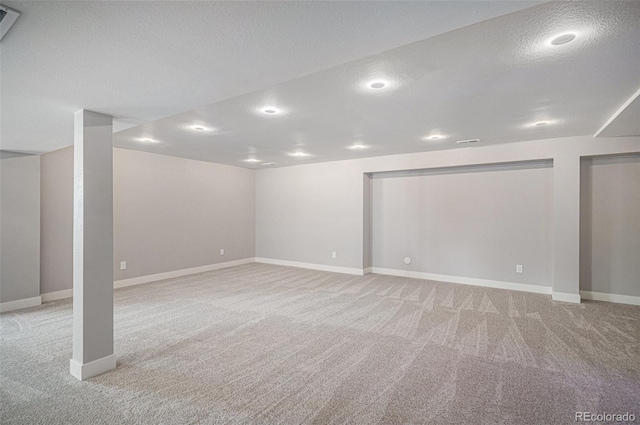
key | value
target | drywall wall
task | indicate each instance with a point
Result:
(473, 221)
(169, 214)
(173, 213)
(56, 259)
(304, 212)
(610, 225)
(20, 228)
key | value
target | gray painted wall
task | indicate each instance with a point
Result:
(474, 221)
(19, 228)
(56, 250)
(610, 225)
(304, 212)
(173, 213)
(169, 214)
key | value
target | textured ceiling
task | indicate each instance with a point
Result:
(141, 61)
(492, 80)
(458, 69)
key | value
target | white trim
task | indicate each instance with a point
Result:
(20, 304)
(321, 267)
(465, 280)
(367, 270)
(612, 298)
(179, 273)
(68, 293)
(620, 110)
(565, 297)
(91, 369)
(57, 295)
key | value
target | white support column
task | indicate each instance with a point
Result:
(92, 245)
(566, 228)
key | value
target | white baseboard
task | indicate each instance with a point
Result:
(91, 369)
(20, 304)
(565, 297)
(68, 293)
(57, 295)
(321, 267)
(465, 280)
(367, 270)
(612, 298)
(179, 273)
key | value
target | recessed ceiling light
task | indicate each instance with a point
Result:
(561, 39)
(270, 110)
(198, 127)
(541, 123)
(358, 146)
(377, 84)
(298, 154)
(270, 163)
(147, 140)
(252, 160)
(435, 137)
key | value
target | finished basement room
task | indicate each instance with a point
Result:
(320, 212)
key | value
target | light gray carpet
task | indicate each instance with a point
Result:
(261, 344)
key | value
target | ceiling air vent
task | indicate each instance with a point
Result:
(467, 142)
(7, 17)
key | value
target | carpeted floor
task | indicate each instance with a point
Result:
(261, 344)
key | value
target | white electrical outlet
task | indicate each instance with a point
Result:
(222, 251)
(518, 268)
(123, 265)
(333, 254)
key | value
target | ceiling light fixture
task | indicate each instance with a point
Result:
(541, 123)
(270, 110)
(298, 154)
(147, 140)
(434, 137)
(358, 146)
(198, 127)
(252, 160)
(377, 84)
(561, 39)
(384, 84)
(270, 163)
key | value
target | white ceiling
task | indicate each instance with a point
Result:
(140, 61)
(468, 76)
